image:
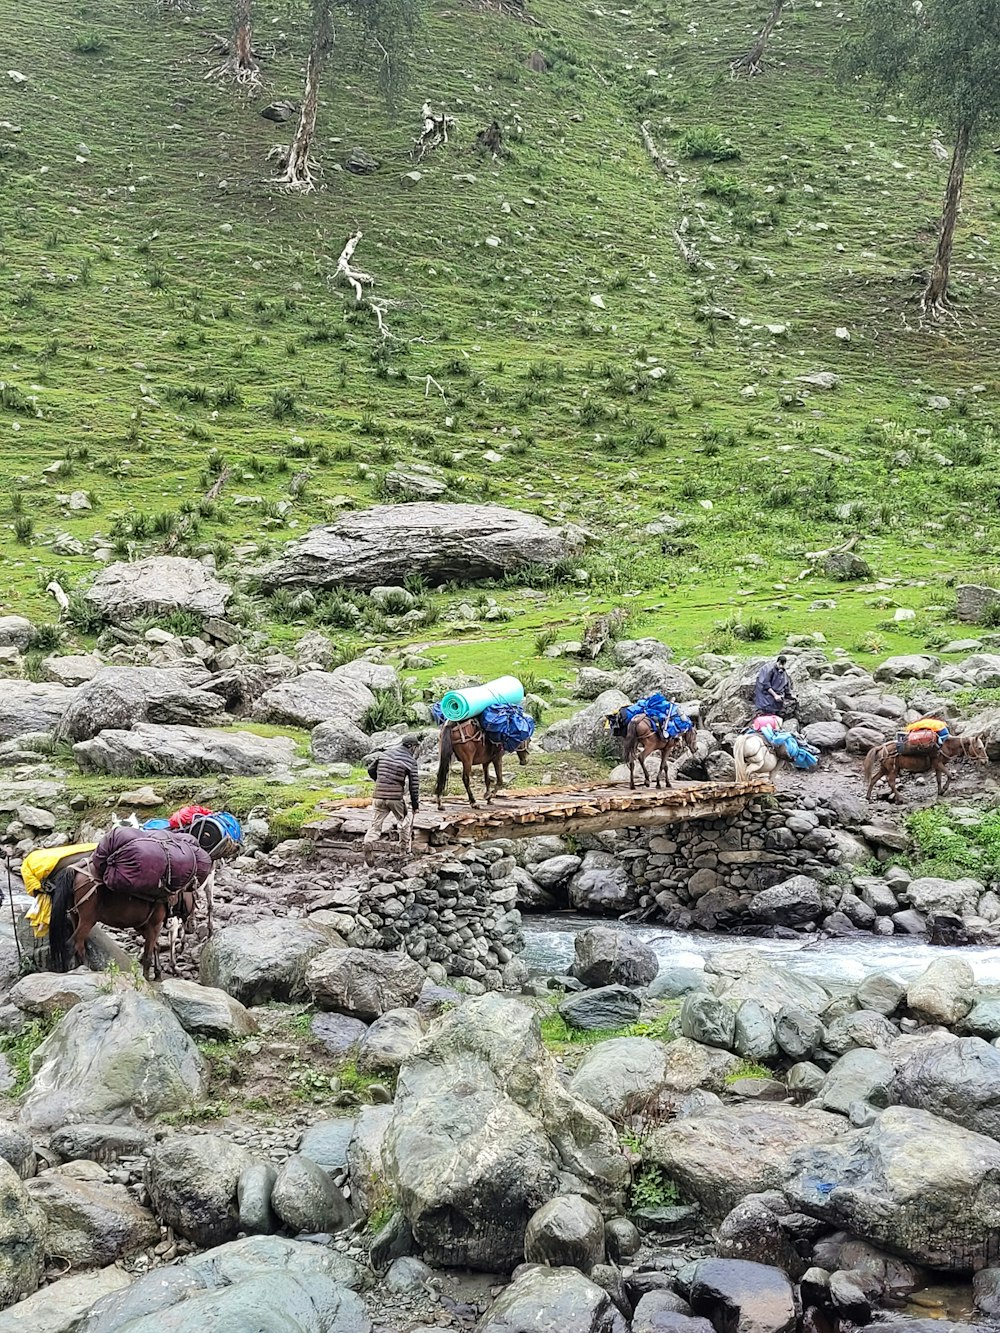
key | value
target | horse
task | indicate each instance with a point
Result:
(79, 901)
(754, 757)
(642, 739)
(467, 742)
(883, 761)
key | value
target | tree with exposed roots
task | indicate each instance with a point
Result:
(241, 64)
(376, 26)
(752, 61)
(942, 57)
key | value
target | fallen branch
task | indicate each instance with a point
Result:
(436, 128)
(689, 254)
(59, 593)
(427, 387)
(834, 550)
(661, 163)
(215, 490)
(358, 280)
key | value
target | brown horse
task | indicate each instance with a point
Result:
(79, 902)
(884, 762)
(467, 742)
(642, 739)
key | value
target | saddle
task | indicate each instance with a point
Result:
(919, 743)
(464, 732)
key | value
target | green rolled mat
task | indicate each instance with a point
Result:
(457, 705)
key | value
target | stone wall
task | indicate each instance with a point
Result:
(459, 914)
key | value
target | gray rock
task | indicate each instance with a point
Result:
(72, 668)
(859, 1076)
(30, 707)
(973, 600)
(314, 697)
(607, 1007)
(119, 698)
(23, 1229)
(912, 666)
(721, 1156)
(804, 1080)
(390, 1040)
(366, 1159)
(585, 731)
(306, 1199)
(863, 1027)
(363, 983)
(339, 1034)
(119, 1058)
(790, 903)
(882, 1178)
(656, 1312)
(253, 1199)
(16, 632)
(192, 1180)
(943, 993)
(655, 674)
(983, 1020)
(846, 567)
(17, 1149)
(602, 888)
(621, 1238)
(262, 960)
(986, 1291)
(741, 974)
(100, 1143)
(206, 1011)
(553, 872)
(797, 1031)
(91, 1223)
(184, 751)
(753, 1033)
(621, 1077)
(552, 1300)
(690, 1066)
(327, 1142)
(606, 957)
(408, 1275)
(881, 994)
(382, 545)
(753, 1231)
(566, 1232)
(931, 895)
(61, 1306)
(826, 735)
(338, 740)
(747, 1297)
(483, 1134)
(157, 585)
(958, 1080)
(671, 982)
(707, 1020)
(43, 994)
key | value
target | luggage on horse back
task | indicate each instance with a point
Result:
(218, 833)
(183, 818)
(37, 867)
(922, 737)
(149, 863)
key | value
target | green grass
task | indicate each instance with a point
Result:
(945, 847)
(748, 1069)
(18, 1048)
(167, 313)
(558, 1035)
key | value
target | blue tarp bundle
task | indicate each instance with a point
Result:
(801, 755)
(508, 724)
(665, 716)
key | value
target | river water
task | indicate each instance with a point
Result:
(549, 949)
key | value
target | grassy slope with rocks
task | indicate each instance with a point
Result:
(168, 311)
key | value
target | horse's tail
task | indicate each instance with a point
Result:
(62, 886)
(872, 758)
(739, 747)
(631, 741)
(444, 762)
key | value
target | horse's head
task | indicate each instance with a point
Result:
(522, 753)
(977, 749)
(690, 738)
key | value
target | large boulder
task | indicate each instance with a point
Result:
(443, 542)
(585, 731)
(184, 752)
(192, 1181)
(708, 1021)
(43, 994)
(90, 1221)
(791, 903)
(742, 1296)
(62, 1306)
(908, 666)
(314, 697)
(602, 884)
(363, 983)
(26, 706)
(605, 1009)
(566, 1232)
(206, 1011)
(157, 585)
(911, 1183)
(741, 974)
(306, 1199)
(553, 1300)
(390, 1039)
(482, 1134)
(959, 897)
(621, 1077)
(262, 960)
(652, 675)
(605, 957)
(119, 1058)
(690, 1065)
(16, 632)
(959, 1080)
(858, 1076)
(338, 741)
(118, 698)
(721, 1156)
(973, 600)
(944, 993)
(22, 1238)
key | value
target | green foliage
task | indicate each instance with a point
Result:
(19, 1047)
(707, 141)
(652, 1188)
(46, 638)
(82, 614)
(748, 1069)
(24, 529)
(387, 710)
(951, 848)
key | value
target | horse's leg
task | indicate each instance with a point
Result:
(466, 779)
(664, 772)
(209, 887)
(486, 779)
(86, 920)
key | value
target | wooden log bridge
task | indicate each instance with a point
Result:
(525, 814)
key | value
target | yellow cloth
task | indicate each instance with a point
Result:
(927, 724)
(35, 869)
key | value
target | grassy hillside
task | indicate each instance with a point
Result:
(167, 311)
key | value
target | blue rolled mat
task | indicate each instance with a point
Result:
(458, 705)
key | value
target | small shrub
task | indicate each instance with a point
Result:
(283, 405)
(89, 44)
(387, 710)
(707, 141)
(46, 638)
(24, 529)
(84, 616)
(653, 1188)
(544, 639)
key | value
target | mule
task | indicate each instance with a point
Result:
(467, 742)
(642, 739)
(79, 902)
(883, 761)
(754, 757)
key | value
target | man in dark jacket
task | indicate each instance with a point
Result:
(773, 691)
(396, 776)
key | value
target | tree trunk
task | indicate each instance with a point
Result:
(243, 61)
(936, 295)
(297, 169)
(753, 61)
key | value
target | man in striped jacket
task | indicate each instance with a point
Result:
(395, 772)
